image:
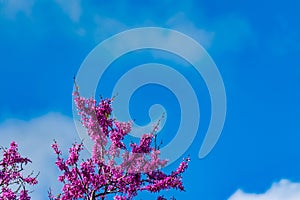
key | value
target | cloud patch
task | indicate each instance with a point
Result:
(181, 23)
(34, 138)
(11, 8)
(72, 8)
(282, 190)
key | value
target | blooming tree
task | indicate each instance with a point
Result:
(12, 179)
(113, 169)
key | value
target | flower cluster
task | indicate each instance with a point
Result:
(114, 169)
(12, 179)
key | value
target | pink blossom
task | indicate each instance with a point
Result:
(114, 169)
(12, 176)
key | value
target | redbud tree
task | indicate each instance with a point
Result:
(114, 169)
(13, 180)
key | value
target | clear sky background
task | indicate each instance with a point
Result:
(255, 45)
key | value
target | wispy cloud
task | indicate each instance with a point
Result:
(11, 8)
(283, 189)
(86, 20)
(181, 23)
(72, 8)
(106, 27)
(34, 138)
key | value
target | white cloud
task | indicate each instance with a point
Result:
(106, 27)
(181, 23)
(34, 138)
(282, 190)
(72, 8)
(13, 7)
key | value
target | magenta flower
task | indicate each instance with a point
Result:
(113, 169)
(12, 179)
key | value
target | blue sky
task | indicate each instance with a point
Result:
(254, 45)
